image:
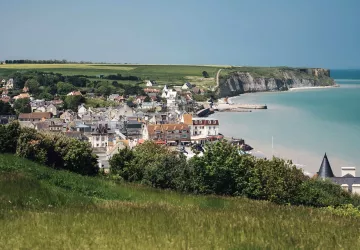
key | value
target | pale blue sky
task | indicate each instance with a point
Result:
(315, 33)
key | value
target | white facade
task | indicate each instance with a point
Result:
(82, 110)
(149, 83)
(204, 127)
(9, 84)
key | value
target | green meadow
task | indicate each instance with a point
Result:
(41, 208)
(163, 74)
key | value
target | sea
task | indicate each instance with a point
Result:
(303, 125)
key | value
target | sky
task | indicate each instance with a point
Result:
(301, 33)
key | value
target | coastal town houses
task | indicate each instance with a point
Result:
(34, 117)
(43, 106)
(167, 133)
(150, 83)
(202, 129)
(187, 85)
(74, 93)
(348, 180)
(21, 96)
(9, 84)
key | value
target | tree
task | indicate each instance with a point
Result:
(9, 135)
(120, 162)
(147, 99)
(205, 74)
(73, 101)
(6, 109)
(22, 105)
(64, 88)
(34, 86)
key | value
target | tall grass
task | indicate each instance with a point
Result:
(41, 208)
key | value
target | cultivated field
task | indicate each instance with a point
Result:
(163, 74)
(45, 209)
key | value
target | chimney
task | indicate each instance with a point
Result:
(348, 170)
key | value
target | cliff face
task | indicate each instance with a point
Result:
(238, 82)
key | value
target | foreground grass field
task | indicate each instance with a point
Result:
(45, 209)
(163, 74)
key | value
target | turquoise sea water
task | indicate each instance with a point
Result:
(303, 124)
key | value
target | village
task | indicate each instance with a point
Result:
(165, 115)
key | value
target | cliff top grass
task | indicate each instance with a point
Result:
(268, 72)
(163, 74)
(44, 208)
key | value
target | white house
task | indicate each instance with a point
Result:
(187, 85)
(3, 81)
(52, 109)
(150, 83)
(9, 84)
(203, 129)
(82, 110)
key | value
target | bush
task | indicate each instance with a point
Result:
(57, 151)
(223, 171)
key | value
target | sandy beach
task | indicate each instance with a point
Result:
(313, 87)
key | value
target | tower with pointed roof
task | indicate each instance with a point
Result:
(325, 170)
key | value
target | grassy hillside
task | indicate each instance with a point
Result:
(173, 74)
(43, 208)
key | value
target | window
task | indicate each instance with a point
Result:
(184, 131)
(97, 138)
(214, 127)
(97, 145)
(184, 136)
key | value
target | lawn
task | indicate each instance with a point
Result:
(43, 208)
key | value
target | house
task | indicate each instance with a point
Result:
(3, 81)
(39, 109)
(187, 85)
(204, 129)
(57, 102)
(112, 97)
(67, 116)
(348, 180)
(140, 99)
(147, 105)
(167, 133)
(9, 84)
(150, 83)
(197, 91)
(34, 117)
(82, 110)
(56, 127)
(21, 96)
(133, 129)
(52, 109)
(74, 93)
(25, 89)
(5, 119)
(5, 98)
(148, 90)
(102, 137)
(120, 99)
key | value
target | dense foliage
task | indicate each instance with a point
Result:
(54, 150)
(6, 109)
(222, 170)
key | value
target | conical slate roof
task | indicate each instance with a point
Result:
(325, 170)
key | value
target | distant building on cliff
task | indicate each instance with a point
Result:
(348, 179)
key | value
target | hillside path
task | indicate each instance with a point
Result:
(217, 79)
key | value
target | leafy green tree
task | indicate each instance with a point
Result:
(46, 96)
(205, 74)
(6, 109)
(120, 162)
(22, 105)
(63, 88)
(9, 135)
(105, 90)
(34, 86)
(73, 102)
